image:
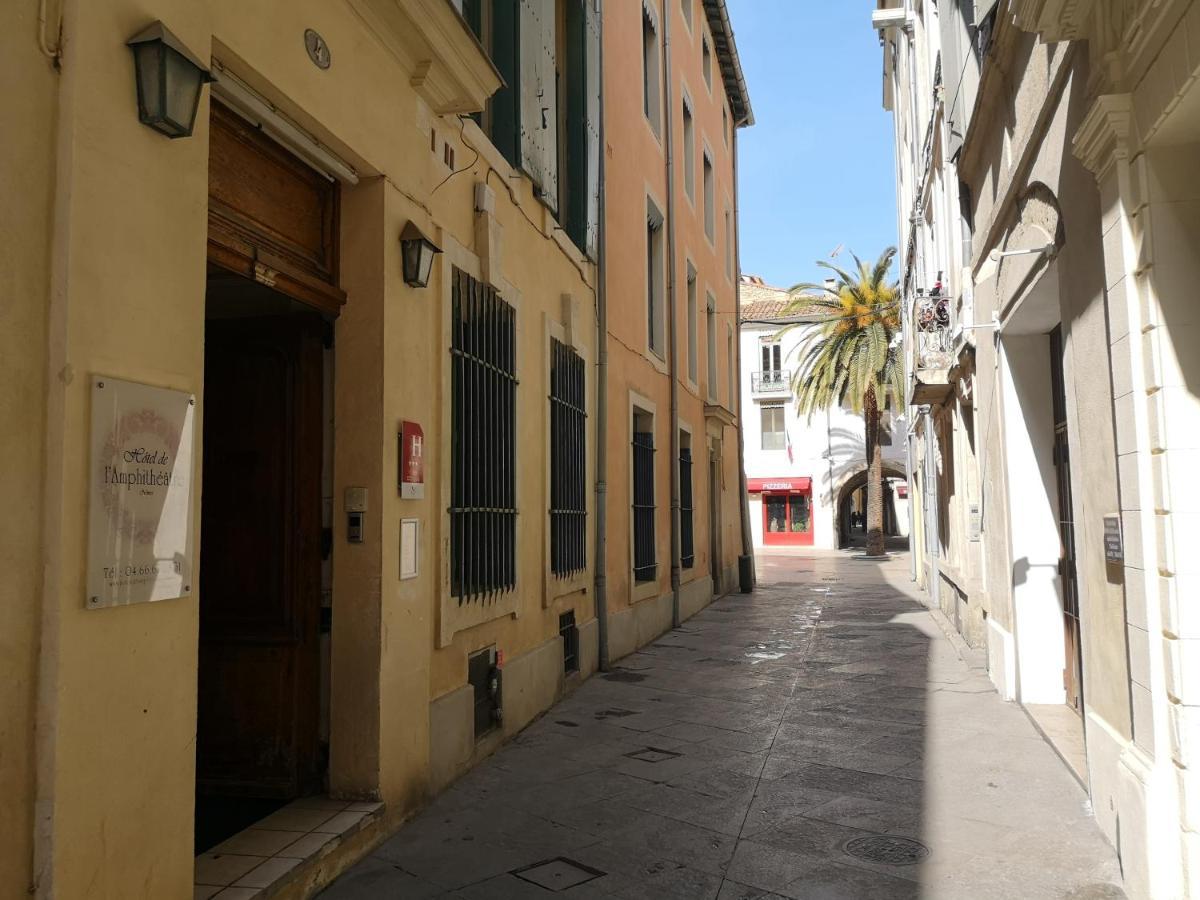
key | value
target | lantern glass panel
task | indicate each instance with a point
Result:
(426, 251)
(183, 83)
(411, 249)
(146, 57)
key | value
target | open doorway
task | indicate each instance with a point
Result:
(260, 571)
(265, 572)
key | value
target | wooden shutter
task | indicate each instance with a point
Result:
(592, 87)
(539, 104)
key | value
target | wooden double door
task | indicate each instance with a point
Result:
(260, 568)
(272, 295)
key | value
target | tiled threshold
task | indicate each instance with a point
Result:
(258, 862)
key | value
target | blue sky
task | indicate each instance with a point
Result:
(817, 169)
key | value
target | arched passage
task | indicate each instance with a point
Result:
(851, 507)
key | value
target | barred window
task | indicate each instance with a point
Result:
(483, 489)
(644, 568)
(687, 548)
(568, 461)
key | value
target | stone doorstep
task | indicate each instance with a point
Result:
(279, 851)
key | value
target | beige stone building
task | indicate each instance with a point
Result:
(302, 371)
(1045, 154)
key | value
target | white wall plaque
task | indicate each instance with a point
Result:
(410, 531)
(140, 494)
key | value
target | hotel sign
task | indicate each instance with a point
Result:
(140, 494)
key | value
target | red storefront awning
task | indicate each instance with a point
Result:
(796, 485)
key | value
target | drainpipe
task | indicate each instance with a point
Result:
(746, 577)
(673, 356)
(600, 565)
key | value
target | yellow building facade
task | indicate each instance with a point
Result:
(674, 100)
(256, 267)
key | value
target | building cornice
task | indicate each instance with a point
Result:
(730, 64)
(1107, 134)
(446, 63)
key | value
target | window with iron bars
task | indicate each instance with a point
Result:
(687, 548)
(644, 567)
(568, 461)
(483, 484)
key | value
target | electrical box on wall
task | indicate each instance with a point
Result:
(355, 502)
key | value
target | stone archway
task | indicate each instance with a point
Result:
(850, 501)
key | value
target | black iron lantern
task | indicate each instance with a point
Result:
(417, 252)
(169, 81)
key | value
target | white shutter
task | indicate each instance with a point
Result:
(592, 86)
(539, 106)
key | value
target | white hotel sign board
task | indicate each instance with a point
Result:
(140, 494)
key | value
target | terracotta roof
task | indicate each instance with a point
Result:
(758, 300)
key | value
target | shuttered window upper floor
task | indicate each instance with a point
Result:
(545, 120)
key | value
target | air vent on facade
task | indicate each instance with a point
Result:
(484, 677)
(570, 634)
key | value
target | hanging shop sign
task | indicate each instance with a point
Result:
(140, 494)
(412, 461)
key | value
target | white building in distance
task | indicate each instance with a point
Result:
(806, 477)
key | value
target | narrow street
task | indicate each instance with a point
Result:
(820, 738)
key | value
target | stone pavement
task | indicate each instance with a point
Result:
(819, 738)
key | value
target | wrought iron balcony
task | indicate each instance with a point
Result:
(771, 381)
(933, 348)
(934, 315)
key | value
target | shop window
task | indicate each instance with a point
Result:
(483, 486)
(787, 518)
(568, 461)
(644, 565)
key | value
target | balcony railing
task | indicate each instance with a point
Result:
(771, 381)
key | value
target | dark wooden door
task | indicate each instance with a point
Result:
(260, 566)
(1073, 666)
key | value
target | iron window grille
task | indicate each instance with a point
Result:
(644, 567)
(687, 548)
(483, 491)
(568, 461)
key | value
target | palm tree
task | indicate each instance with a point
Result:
(851, 359)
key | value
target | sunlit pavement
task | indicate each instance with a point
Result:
(819, 738)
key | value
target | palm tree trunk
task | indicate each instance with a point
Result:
(875, 543)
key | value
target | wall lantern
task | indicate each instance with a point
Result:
(417, 252)
(169, 81)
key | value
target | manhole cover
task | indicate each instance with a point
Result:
(652, 755)
(891, 851)
(557, 874)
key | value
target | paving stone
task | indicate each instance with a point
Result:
(824, 707)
